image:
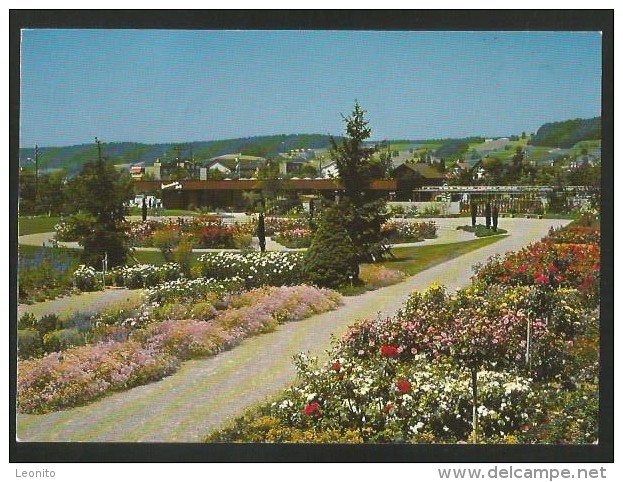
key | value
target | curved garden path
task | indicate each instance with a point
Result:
(205, 393)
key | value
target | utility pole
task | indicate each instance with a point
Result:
(36, 174)
(99, 149)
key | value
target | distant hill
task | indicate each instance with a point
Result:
(567, 133)
(455, 148)
(561, 135)
(72, 158)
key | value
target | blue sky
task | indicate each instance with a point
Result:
(179, 86)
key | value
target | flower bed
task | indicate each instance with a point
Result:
(294, 238)
(279, 225)
(144, 275)
(192, 291)
(85, 373)
(524, 336)
(548, 264)
(81, 374)
(202, 231)
(256, 269)
(383, 400)
(407, 378)
(575, 234)
(408, 232)
(249, 313)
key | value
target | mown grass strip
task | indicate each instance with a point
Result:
(36, 224)
(414, 259)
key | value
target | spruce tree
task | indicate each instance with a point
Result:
(331, 260)
(364, 212)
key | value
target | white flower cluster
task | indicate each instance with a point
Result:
(418, 399)
(271, 268)
(190, 289)
(85, 278)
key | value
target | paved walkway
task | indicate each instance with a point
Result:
(204, 394)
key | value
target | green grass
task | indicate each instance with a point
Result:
(32, 251)
(412, 260)
(481, 231)
(36, 224)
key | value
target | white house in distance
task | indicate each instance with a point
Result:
(330, 170)
(237, 164)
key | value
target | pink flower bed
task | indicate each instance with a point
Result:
(80, 375)
(253, 312)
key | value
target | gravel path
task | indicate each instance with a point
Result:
(204, 394)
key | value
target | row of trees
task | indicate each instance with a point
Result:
(518, 171)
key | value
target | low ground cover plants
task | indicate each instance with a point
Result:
(45, 272)
(179, 320)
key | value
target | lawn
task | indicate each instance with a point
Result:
(36, 224)
(412, 260)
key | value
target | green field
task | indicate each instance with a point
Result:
(36, 224)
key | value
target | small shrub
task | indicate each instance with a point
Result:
(242, 240)
(86, 278)
(75, 227)
(59, 340)
(569, 417)
(47, 323)
(165, 240)
(203, 310)
(331, 260)
(29, 343)
(183, 255)
(82, 321)
(27, 321)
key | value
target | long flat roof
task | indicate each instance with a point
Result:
(256, 184)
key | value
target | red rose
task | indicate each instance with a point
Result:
(541, 279)
(389, 351)
(336, 366)
(312, 410)
(403, 386)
